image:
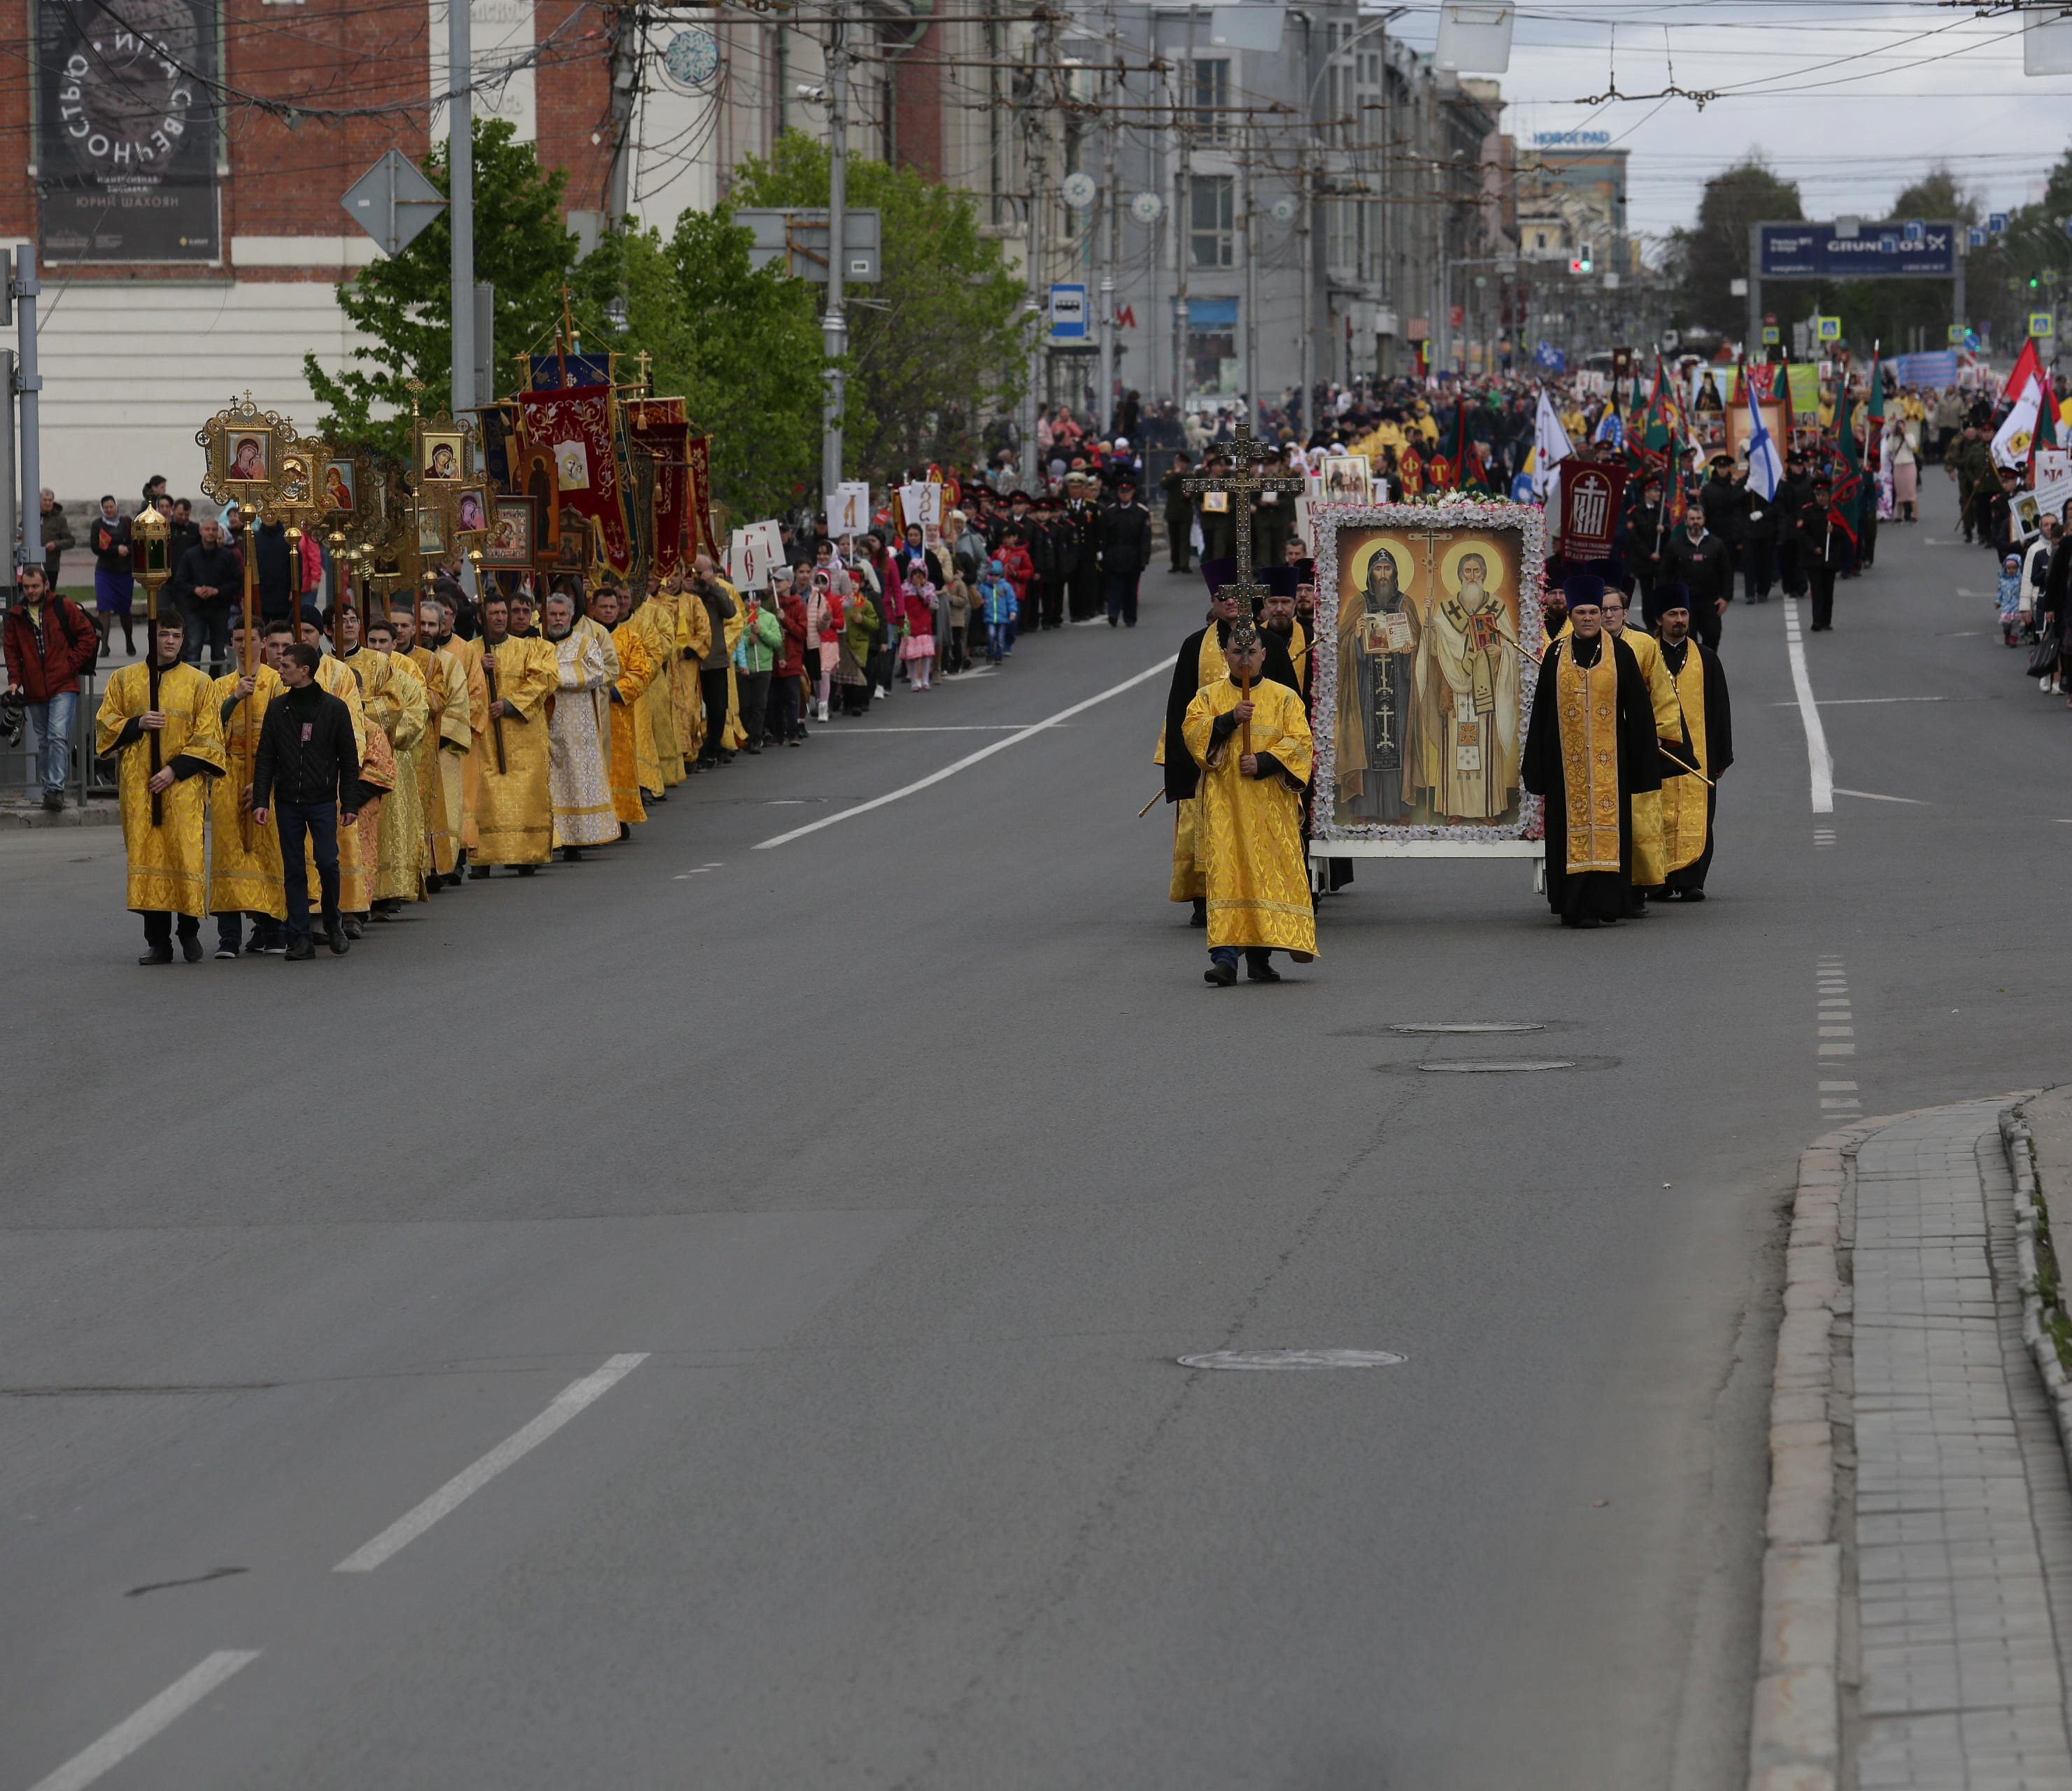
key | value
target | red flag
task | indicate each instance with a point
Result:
(2028, 365)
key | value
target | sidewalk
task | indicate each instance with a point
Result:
(1918, 1587)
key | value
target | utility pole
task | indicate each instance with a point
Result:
(1249, 247)
(1183, 222)
(625, 80)
(1105, 406)
(1305, 256)
(460, 194)
(29, 384)
(834, 325)
(1037, 309)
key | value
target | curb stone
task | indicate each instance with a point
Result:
(2031, 1214)
(1795, 1723)
(16, 816)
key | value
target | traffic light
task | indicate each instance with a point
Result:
(1580, 263)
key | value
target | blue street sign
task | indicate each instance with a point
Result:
(1915, 230)
(1068, 312)
(1975, 236)
(1996, 223)
(1889, 242)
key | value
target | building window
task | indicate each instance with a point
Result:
(1210, 200)
(1211, 86)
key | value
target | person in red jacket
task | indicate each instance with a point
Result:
(1014, 561)
(49, 640)
(786, 688)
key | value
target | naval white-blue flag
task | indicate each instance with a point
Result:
(1765, 464)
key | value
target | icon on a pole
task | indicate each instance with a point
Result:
(1996, 223)
(1771, 337)
(1068, 312)
(1826, 329)
(1975, 236)
(2042, 323)
(393, 202)
(1958, 332)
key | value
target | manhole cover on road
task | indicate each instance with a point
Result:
(1468, 1026)
(1285, 1359)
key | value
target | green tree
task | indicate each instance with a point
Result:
(1715, 252)
(741, 345)
(941, 344)
(402, 302)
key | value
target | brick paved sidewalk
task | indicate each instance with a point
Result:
(1921, 1538)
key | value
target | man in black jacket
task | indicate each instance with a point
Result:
(1699, 560)
(308, 766)
(1179, 514)
(1081, 532)
(1725, 505)
(1123, 535)
(1823, 545)
(207, 580)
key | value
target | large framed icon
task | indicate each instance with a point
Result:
(1430, 637)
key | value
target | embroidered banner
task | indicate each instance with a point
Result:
(697, 497)
(579, 428)
(663, 441)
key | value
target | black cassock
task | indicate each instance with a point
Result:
(1719, 747)
(1182, 775)
(1590, 895)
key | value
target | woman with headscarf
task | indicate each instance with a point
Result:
(857, 648)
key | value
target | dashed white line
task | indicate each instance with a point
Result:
(160, 1714)
(1820, 765)
(471, 1480)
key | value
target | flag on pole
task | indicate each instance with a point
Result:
(1551, 447)
(2012, 441)
(2028, 370)
(1766, 465)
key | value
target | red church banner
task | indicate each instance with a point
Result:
(1590, 494)
(579, 427)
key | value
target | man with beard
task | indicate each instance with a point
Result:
(1687, 804)
(392, 692)
(579, 775)
(1590, 749)
(516, 821)
(445, 741)
(1461, 747)
(1378, 639)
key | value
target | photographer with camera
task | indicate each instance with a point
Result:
(49, 640)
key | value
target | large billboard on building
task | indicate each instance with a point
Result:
(126, 147)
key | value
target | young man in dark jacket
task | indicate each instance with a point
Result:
(308, 768)
(207, 581)
(49, 641)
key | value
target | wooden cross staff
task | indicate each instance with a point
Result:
(1246, 452)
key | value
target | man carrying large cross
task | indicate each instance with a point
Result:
(1200, 663)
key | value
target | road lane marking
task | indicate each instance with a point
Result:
(1870, 795)
(1163, 667)
(471, 1480)
(133, 1731)
(1819, 763)
(1831, 980)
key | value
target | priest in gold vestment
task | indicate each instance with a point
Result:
(244, 858)
(515, 819)
(1649, 867)
(578, 741)
(1251, 738)
(1590, 748)
(168, 862)
(1689, 804)
(629, 718)
(393, 690)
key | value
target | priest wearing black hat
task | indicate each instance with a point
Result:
(1591, 748)
(1688, 803)
(1824, 547)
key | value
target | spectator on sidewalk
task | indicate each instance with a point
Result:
(113, 585)
(207, 583)
(754, 660)
(56, 536)
(49, 640)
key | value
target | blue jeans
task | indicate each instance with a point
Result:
(51, 723)
(208, 624)
(318, 821)
(996, 636)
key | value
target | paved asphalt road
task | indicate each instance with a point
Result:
(906, 1157)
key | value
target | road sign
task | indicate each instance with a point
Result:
(393, 202)
(799, 239)
(1068, 312)
(1826, 329)
(1996, 223)
(1958, 332)
(1771, 335)
(1914, 230)
(2041, 323)
(1826, 252)
(1974, 236)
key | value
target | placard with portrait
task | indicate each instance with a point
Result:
(1420, 712)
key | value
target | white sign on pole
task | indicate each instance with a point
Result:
(922, 502)
(752, 554)
(849, 509)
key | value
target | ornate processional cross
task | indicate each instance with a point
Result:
(1246, 451)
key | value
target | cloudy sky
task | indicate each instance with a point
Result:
(1851, 98)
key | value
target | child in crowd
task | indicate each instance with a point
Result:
(2009, 599)
(918, 650)
(997, 602)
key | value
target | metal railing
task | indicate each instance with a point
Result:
(89, 777)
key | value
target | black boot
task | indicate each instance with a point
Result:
(335, 936)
